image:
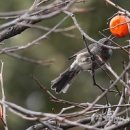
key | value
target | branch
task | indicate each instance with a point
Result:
(25, 19)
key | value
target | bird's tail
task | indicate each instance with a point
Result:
(62, 83)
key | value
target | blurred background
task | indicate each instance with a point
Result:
(19, 85)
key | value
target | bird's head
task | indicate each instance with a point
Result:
(105, 41)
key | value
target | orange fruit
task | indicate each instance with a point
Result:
(119, 26)
(1, 111)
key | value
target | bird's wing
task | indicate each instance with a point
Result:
(81, 51)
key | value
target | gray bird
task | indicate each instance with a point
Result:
(83, 62)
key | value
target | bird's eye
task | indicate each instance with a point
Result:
(106, 42)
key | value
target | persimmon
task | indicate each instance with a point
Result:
(1, 111)
(119, 26)
(1, 115)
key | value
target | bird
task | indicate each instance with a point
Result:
(95, 55)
